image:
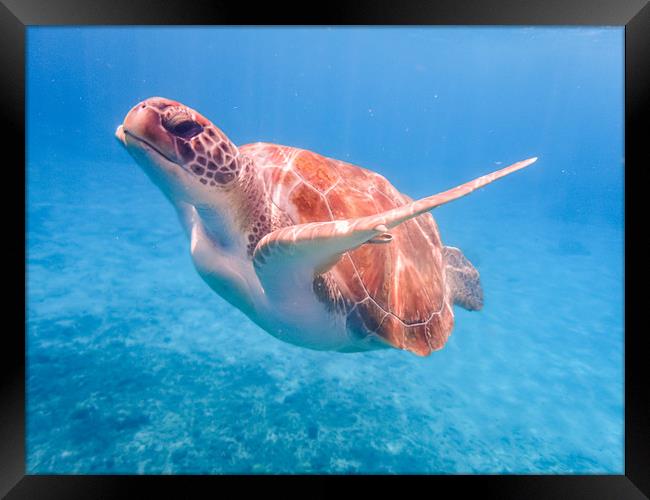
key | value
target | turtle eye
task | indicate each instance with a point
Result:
(182, 125)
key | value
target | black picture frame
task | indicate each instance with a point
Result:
(15, 15)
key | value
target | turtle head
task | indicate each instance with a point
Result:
(180, 150)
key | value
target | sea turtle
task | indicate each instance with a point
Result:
(318, 252)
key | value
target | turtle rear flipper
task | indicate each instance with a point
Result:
(463, 280)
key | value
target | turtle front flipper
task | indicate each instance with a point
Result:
(292, 256)
(287, 259)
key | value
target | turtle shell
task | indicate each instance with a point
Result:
(395, 291)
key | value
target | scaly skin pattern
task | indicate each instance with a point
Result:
(216, 163)
(394, 293)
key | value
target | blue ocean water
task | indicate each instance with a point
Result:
(135, 366)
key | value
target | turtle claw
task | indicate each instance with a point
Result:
(381, 238)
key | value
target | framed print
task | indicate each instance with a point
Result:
(385, 246)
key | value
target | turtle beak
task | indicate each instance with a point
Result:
(142, 128)
(119, 134)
